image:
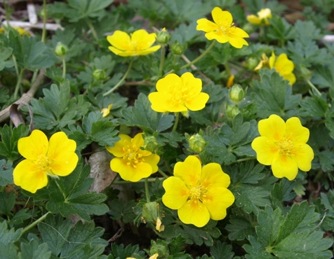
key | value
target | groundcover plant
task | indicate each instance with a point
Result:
(167, 129)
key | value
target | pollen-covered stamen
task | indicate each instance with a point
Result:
(285, 147)
(197, 193)
(132, 155)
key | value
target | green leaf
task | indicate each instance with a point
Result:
(239, 229)
(5, 54)
(9, 137)
(221, 250)
(141, 115)
(8, 236)
(6, 173)
(8, 251)
(35, 250)
(314, 107)
(273, 95)
(7, 202)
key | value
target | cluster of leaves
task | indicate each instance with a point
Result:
(270, 217)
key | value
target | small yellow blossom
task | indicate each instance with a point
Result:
(43, 157)
(230, 81)
(131, 161)
(20, 30)
(283, 146)
(262, 17)
(198, 192)
(222, 29)
(139, 43)
(105, 111)
(282, 65)
(178, 94)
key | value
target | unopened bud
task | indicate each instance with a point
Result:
(236, 93)
(163, 36)
(177, 48)
(150, 143)
(61, 49)
(99, 74)
(196, 143)
(232, 111)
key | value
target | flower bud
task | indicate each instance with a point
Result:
(99, 74)
(236, 93)
(251, 63)
(61, 49)
(163, 36)
(306, 73)
(177, 48)
(150, 143)
(196, 143)
(232, 111)
(151, 214)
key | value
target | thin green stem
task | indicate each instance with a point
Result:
(120, 82)
(162, 59)
(18, 84)
(61, 190)
(44, 22)
(27, 228)
(176, 122)
(91, 27)
(313, 87)
(64, 67)
(147, 191)
(200, 56)
(162, 173)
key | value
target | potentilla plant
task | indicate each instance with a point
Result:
(167, 129)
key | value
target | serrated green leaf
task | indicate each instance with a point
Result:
(221, 250)
(5, 53)
(8, 251)
(8, 236)
(141, 115)
(239, 229)
(35, 250)
(7, 202)
(314, 107)
(6, 173)
(255, 250)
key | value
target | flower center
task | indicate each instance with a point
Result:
(285, 147)
(43, 163)
(132, 155)
(197, 193)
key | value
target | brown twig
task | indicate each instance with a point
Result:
(25, 98)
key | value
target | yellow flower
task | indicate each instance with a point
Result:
(131, 161)
(43, 157)
(198, 193)
(283, 66)
(222, 29)
(138, 43)
(178, 94)
(283, 146)
(262, 17)
(105, 111)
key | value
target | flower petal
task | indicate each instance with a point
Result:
(194, 212)
(33, 146)
(153, 161)
(284, 166)
(61, 154)
(197, 103)
(118, 149)
(273, 127)
(304, 156)
(189, 170)
(295, 131)
(222, 18)
(143, 39)
(213, 175)
(265, 150)
(29, 176)
(205, 25)
(283, 65)
(217, 200)
(176, 193)
(120, 40)
(253, 19)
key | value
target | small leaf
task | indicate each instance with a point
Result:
(35, 250)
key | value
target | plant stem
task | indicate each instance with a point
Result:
(91, 27)
(162, 59)
(120, 82)
(147, 192)
(44, 22)
(18, 84)
(64, 68)
(61, 190)
(313, 87)
(35, 223)
(162, 173)
(176, 122)
(200, 56)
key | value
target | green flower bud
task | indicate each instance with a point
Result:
(150, 143)
(151, 214)
(251, 63)
(306, 73)
(232, 111)
(159, 248)
(163, 36)
(61, 49)
(99, 74)
(236, 93)
(177, 48)
(196, 143)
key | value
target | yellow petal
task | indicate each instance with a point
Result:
(118, 52)
(29, 176)
(217, 200)
(220, 37)
(138, 140)
(284, 166)
(212, 175)
(222, 18)
(130, 173)
(120, 40)
(197, 103)
(290, 77)
(304, 156)
(143, 39)
(265, 150)
(117, 149)
(205, 25)
(253, 19)
(283, 65)
(194, 212)
(33, 146)
(189, 170)
(273, 127)
(238, 42)
(295, 131)
(272, 60)
(169, 83)
(159, 102)
(61, 154)
(153, 161)
(176, 193)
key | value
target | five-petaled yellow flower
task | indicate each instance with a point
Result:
(178, 94)
(283, 146)
(131, 161)
(139, 43)
(262, 17)
(282, 65)
(198, 193)
(43, 157)
(222, 29)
